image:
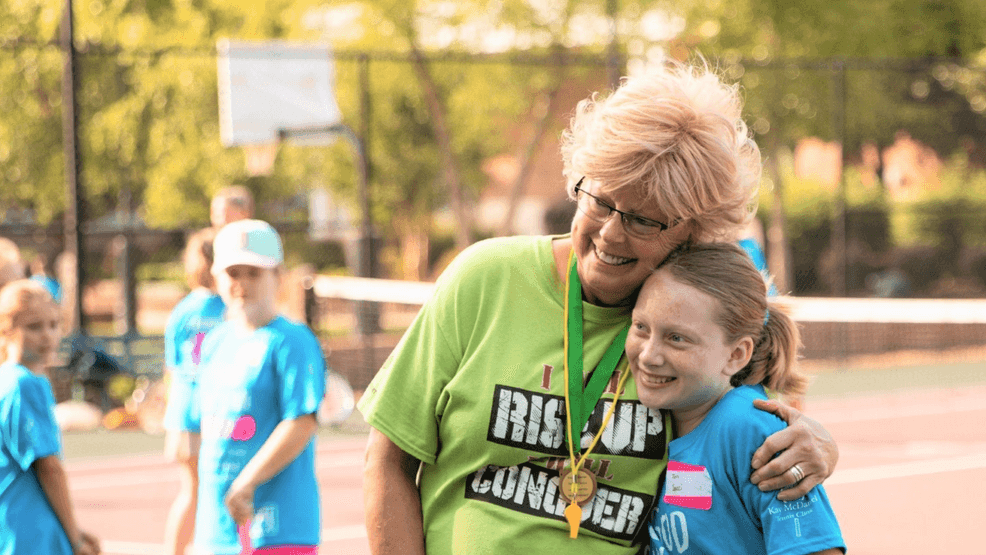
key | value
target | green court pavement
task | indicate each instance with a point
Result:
(843, 381)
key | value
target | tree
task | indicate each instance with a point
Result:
(147, 104)
(437, 118)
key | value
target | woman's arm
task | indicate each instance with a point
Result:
(54, 483)
(804, 443)
(285, 443)
(391, 498)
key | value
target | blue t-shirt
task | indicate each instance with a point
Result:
(709, 506)
(192, 318)
(249, 382)
(755, 252)
(28, 432)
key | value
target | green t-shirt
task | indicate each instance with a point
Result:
(475, 389)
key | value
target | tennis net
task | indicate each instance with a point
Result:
(836, 332)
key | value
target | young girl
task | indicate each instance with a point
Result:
(35, 510)
(192, 318)
(704, 343)
(260, 382)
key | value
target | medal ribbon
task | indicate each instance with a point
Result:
(579, 401)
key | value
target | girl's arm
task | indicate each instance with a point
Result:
(390, 495)
(285, 443)
(54, 483)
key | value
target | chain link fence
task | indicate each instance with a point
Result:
(873, 167)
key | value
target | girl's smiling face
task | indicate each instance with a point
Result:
(679, 355)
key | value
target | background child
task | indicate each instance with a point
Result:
(260, 383)
(703, 343)
(192, 318)
(230, 204)
(35, 510)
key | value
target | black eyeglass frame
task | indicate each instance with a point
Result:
(624, 216)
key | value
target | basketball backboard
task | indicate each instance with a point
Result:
(272, 86)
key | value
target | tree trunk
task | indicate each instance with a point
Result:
(452, 176)
(414, 252)
(527, 161)
(778, 251)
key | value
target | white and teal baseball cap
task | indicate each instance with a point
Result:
(247, 242)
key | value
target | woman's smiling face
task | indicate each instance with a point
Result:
(612, 265)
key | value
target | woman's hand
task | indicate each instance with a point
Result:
(239, 501)
(804, 443)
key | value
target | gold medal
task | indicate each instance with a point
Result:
(578, 488)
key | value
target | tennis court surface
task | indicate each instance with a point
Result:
(911, 478)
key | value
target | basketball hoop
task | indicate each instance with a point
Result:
(260, 158)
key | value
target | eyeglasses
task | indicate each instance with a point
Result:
(599, 210)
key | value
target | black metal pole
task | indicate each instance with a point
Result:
(75, 201)
(128, 268)
(367, 313)
(839, 235)
(839, 239)
(613, 69)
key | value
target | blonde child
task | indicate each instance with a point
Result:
(192, 318)
(260, 383)
(704, 342)
(35, 510)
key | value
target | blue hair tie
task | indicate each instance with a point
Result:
(766, 315)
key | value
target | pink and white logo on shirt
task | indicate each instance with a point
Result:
(688, 485)
(197, 349)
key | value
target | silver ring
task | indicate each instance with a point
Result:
(798, 473)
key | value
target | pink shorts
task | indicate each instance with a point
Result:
(273, 549)
(286, 550)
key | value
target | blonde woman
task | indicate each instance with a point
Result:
(504, 421)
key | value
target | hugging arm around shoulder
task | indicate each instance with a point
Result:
(804, 442)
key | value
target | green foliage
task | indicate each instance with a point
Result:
(941, 104)
(949, 216)
(147, 113)
(148, 105)
(940, 233)
(161, 271)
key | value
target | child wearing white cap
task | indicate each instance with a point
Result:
(261, 379)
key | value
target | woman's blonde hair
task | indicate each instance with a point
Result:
(726, 273)
(676, 135)
(15, 298)
(198, 259)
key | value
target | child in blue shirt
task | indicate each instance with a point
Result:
(192, 318)
(260, 382)
(704, 343)
(35, 510)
